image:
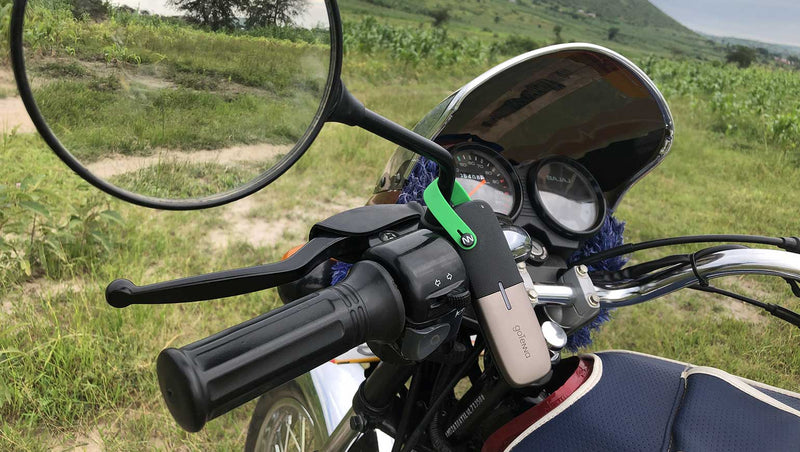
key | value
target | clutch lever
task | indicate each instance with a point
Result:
(122, 292)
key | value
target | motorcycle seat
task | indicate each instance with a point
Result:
(636, 402)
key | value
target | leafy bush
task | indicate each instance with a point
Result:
(742, 56)
(58, 69)
(440, 16)
(515, 45)
(195, 81)
(109, 83)
(43, 232)
(5, 22)
(90, 9)
(289, 33)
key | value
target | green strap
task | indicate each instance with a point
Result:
(446, 216)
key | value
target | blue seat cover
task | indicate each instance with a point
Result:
(646, 403)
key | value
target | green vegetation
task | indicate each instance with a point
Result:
(643, 28)
(759, 105)
(75, 371)
(92, 118)
(180, 180)
(48, 229)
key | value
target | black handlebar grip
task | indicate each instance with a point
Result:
(212, 376)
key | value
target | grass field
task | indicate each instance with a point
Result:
(74, 371)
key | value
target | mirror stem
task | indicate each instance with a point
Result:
(349, 110)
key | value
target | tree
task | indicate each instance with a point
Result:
(612, 33)
(741, 55)
(557, 31)
(215, 14)
(440, 16)
(262, 13)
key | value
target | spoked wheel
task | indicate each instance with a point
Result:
(282, 422)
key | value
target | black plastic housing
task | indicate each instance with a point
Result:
(490, 262)
(425, 267)
(210, 377)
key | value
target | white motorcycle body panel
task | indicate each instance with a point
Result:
(336, 384)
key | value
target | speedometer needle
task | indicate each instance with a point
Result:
(476, 188)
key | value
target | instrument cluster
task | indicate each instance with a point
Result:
(558, 190)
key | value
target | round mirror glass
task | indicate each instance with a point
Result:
(186, 103)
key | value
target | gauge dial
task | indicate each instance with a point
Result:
(567, 197)
(487, 176)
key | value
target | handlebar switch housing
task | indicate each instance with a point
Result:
(427, 270)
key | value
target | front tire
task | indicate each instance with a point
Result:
(283, 421)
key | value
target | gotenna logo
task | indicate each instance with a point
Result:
(522, 341)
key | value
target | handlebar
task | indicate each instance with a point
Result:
(722, 263)
(782, 264)
(212, 376)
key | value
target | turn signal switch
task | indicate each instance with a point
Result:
(431, 277)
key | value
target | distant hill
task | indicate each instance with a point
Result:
(640, 13)
(643, 29)
(777, 49)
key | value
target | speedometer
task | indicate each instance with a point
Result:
(487, 176)
(567, 197)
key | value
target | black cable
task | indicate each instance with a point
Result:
(644, 273)
(434, 408)
(791, 244)
(795, 288)
(635, 271)
(736, 296)
(777, 311)
(702, 281)
(411, 400)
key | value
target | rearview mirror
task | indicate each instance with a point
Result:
(183, 104)
(177, 104)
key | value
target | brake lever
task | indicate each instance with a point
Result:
(344, 236)
(122, 292)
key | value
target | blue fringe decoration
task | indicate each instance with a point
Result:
(423, 173)
(339, 271)
(609, 236)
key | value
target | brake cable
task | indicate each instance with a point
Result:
(777, 311)
(791, 244)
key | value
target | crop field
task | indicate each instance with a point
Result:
(75, 372)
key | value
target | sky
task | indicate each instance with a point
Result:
(776, 21)
(315, 14)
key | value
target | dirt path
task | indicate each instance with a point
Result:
(121, 164)
(293, 225)
(14, 116)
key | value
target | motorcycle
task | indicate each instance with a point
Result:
(436, 317)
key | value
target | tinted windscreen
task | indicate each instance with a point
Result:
(578, 104)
